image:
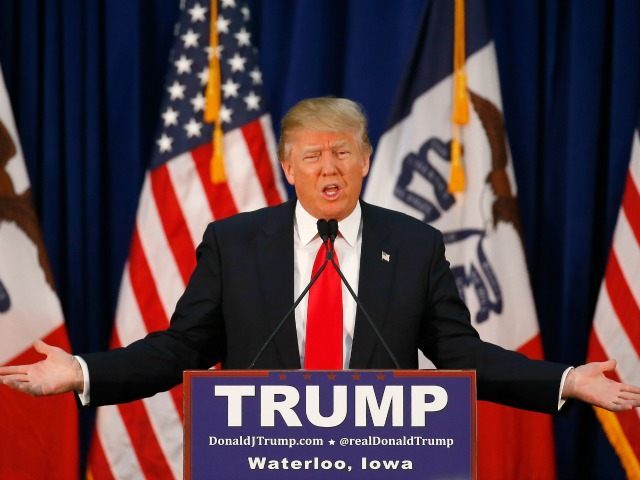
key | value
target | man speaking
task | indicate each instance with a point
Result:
(252, 266)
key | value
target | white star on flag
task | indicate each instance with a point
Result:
(164, 143)
(230, 88)
(243, 37)
(204, 76)
(176, 90)
(198, 102)
(222, 24)
(225, 114)
(252, 101)
(228, 3)
(198, 13)
(190, 39)
(256, 76)
(193, 128)
(183, 64)
(170, 117)
(237, 63)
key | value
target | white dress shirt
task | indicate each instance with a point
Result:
(348, 245)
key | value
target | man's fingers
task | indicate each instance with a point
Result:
(12, 369)
(42, 347)
(630, 389)
(624, 405)
(607, 366)
(23, 386)
(15, 379)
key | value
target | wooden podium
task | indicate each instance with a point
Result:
(350, 424)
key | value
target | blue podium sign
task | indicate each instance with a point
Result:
(348, 424)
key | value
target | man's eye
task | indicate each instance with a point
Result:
(343, 153)
(310, 157)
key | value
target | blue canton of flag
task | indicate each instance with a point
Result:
(182, 127)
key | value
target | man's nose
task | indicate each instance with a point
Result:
(328, 163)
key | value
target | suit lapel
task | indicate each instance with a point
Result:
(275, 265)
(374, 286)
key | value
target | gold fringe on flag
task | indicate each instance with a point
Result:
(617, 438)
(460, 109)
(213, 96)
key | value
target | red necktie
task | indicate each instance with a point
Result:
(323, 345)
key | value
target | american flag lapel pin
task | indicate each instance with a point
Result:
(386, 257)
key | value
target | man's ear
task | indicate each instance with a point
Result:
(366, 165)
(287, 168)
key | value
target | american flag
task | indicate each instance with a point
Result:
(616, 324)
(178, 199)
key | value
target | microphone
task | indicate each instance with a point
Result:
(325, 234)
(332, 234)
(332, 230)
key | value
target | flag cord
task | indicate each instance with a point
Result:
(460, 109)
(213, 94)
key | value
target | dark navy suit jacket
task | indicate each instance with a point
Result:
(243, 285)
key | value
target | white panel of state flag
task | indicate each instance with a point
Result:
(33, 306)
(488, 260)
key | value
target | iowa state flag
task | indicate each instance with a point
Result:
(38, 436)
(481, 225)
(616, 323)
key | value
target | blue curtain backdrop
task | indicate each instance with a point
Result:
(85, 80)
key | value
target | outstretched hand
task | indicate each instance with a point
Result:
(589, 384)
(59, 372)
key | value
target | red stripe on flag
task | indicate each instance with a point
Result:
(533, 348)
(595, 353)
(622, 300)
(143, 437)
(219, 195)
(176, 394)
(173, 222)
(99, 468)
(631, 206)
(629, 420)
(144, 287)
(254, 138)
(148, 299)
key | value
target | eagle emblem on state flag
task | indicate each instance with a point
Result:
(17, 208)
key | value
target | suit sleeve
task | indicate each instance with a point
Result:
(451, 342)
(194, 340)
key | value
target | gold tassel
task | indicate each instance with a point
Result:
(456, 174)
(460, 100)
(619, 441)
(214, 101)
(217, 160)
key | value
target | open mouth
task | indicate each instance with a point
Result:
(331, 191)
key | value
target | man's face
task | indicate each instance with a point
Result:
(326, 170)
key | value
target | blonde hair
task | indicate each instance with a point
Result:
(329, 114)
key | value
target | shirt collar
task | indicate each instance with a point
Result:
(308, 230)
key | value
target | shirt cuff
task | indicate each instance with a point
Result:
(84, 396)
(562, 401)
